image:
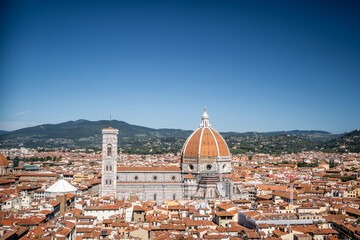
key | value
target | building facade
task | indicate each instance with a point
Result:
(204, 173)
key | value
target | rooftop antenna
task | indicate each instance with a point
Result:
(110, 121)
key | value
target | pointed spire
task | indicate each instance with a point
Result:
(109, 128)
(205, 120)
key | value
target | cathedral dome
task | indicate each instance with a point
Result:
(205, 142)
(3, 161)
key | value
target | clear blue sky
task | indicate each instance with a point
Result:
(256, 65)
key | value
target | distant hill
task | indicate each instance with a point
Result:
(293, 141)
(349, 142)
(268, 143)
(137, 139)
(81, 133)
(316, 135)
(2, 132)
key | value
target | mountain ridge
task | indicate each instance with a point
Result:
(83, 133)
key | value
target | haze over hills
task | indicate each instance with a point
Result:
(138, 139)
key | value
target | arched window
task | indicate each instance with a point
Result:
(109, 150)
(106, 168)
(154, 196)
(106, 182)
(174, 196)
(110, 182)
(110, 168)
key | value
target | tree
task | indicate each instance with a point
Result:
(15, 163)
(285, 162)
(332, 164)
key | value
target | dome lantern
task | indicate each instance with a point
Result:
(205, 120)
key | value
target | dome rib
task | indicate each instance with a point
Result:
(200, 142)
(188, 140)
(223, 148)
(192, 148)
(217, 146)
(205, 142)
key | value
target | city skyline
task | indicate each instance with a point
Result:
(255, 66)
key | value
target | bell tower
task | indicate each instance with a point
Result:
(109, 161)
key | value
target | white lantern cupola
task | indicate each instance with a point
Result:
(205, 120)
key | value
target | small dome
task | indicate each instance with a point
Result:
(205, 142)
(3, 161)
(61, 186)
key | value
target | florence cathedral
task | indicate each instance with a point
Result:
(204, 173)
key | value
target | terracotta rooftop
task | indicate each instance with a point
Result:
(149, 169)
(189, 176)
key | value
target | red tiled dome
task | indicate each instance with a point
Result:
(205, 142)
(3, 161)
